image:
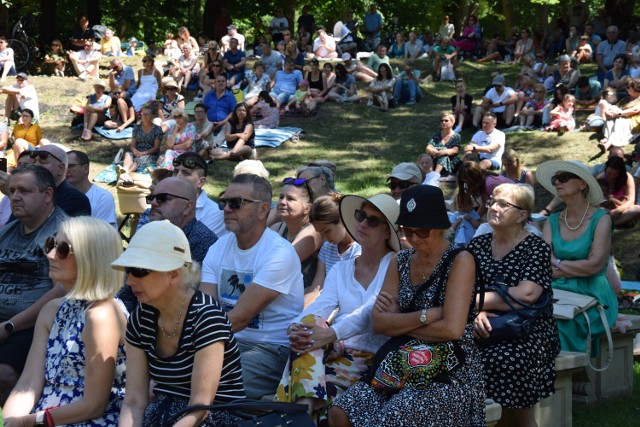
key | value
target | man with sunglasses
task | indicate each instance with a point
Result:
(256, 277)
(403, 176)
(55, 160)
(174, 199)
(192, 168)
(232, 32)
(25, 286)
(85, 62)
(103, 206)
(122, 75)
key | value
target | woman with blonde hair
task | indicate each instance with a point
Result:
(512, 168)
(444, 145)
(75, 372)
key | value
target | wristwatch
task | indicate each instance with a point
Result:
(423, 317)
(40, 418)
(10, 327)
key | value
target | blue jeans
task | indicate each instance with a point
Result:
(405, 90)
(262, 366)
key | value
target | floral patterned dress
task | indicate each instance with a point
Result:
(66, 363)
(383, 96)
(459, 403)
(449, 163)
(144, 142)
(189, 133)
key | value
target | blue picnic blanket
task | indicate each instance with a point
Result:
(275, 137)
(112, 134)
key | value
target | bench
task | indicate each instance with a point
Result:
(555, 410)
(618, 379)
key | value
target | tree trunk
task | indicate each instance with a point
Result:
(507, 10)
(197, 19)
(48, 20)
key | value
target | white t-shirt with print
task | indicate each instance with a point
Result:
(482, 139)
(271, 263)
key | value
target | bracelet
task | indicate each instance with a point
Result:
(558, 261)
(546, 210)
(48, 418)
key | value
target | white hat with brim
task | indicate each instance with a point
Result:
(157, 246)
(548, 169)
(384, 203)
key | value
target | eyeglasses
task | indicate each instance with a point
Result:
(562, 178)
(372, 221)
(420, 232)
(56, 45)
(216, 65)
(235, 203)
(171, 88)
(187, 163)
(402, 184)
(162, 197)
(178, 116)
(43, 155)
(138, 273)
(63, 249)
(116, 93)
(502, 204)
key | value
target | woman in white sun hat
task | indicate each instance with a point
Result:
(580, 237)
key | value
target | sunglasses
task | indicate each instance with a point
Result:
(216, 65)
(42, 155)
(563, 177)
(138, 273)
(162, 197)
(235, 203)
(444, 121)
(298, 182)
(116, 93)
(420, 232)
(539, 91)
(372, 221)
(502, 204)
(402, 184)
(63, 249)
(187, 163)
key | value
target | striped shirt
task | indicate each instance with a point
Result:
(204, 324)
(329, 254)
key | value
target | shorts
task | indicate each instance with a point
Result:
(283, 97)
(495, 165)
(237, 76)
(15, 349)
(262, 367)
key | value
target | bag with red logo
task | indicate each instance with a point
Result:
(408, 362)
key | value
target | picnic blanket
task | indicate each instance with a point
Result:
(275, 137)
(112, 134)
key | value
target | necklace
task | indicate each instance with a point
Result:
(584, 215)
(175, 328)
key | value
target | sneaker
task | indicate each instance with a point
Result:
(83, 76)
(411, 102)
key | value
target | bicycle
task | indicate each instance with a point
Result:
(24, 46)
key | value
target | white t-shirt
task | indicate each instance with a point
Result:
(272, 63)
(495, 98)
(271, 263)
(342, 290)
(324, 52)
(6, 56)
(482, 139)
(208, 213)
(28, 98)
(277, 24)
(225, 42)
(102, 204)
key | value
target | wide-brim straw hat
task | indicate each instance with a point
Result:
(384, 203)
(548, 169)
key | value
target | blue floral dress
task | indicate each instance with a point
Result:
(449, 163)
(66, 363)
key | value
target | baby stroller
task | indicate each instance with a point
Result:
(344, 39)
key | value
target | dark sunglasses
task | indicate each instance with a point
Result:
(63, 249)
(372, 221)
(563, 177)
(43, 155)
(444, 121)
(420, 232)
(138, 273)
(402, 184)
(187, 163)
(235, 203)
(539, 91)
(116, 93)
(162, 197)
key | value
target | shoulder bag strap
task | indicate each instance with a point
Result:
(444, 264)
(243, 406)
(603, 318)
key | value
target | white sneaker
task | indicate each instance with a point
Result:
(83, 76)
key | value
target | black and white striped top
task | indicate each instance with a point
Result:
(204, 324)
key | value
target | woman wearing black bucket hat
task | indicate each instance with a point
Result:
(427, 298)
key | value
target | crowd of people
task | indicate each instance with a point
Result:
(318, 297)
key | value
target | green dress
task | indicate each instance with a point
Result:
(573, 333)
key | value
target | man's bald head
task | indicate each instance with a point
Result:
(175, 201)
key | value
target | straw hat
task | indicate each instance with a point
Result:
(384, 203)
(548, 169)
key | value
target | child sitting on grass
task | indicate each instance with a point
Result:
(302, 99)
(562, 116)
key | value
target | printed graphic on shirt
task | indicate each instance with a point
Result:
(232, 285)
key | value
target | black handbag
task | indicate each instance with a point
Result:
(517, 323)
(257, 413)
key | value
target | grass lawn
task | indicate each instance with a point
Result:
(365, 144)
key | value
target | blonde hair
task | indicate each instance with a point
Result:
(253, 167)
(510, 155)
(96, 244)
(448, 115)
(522, 195)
